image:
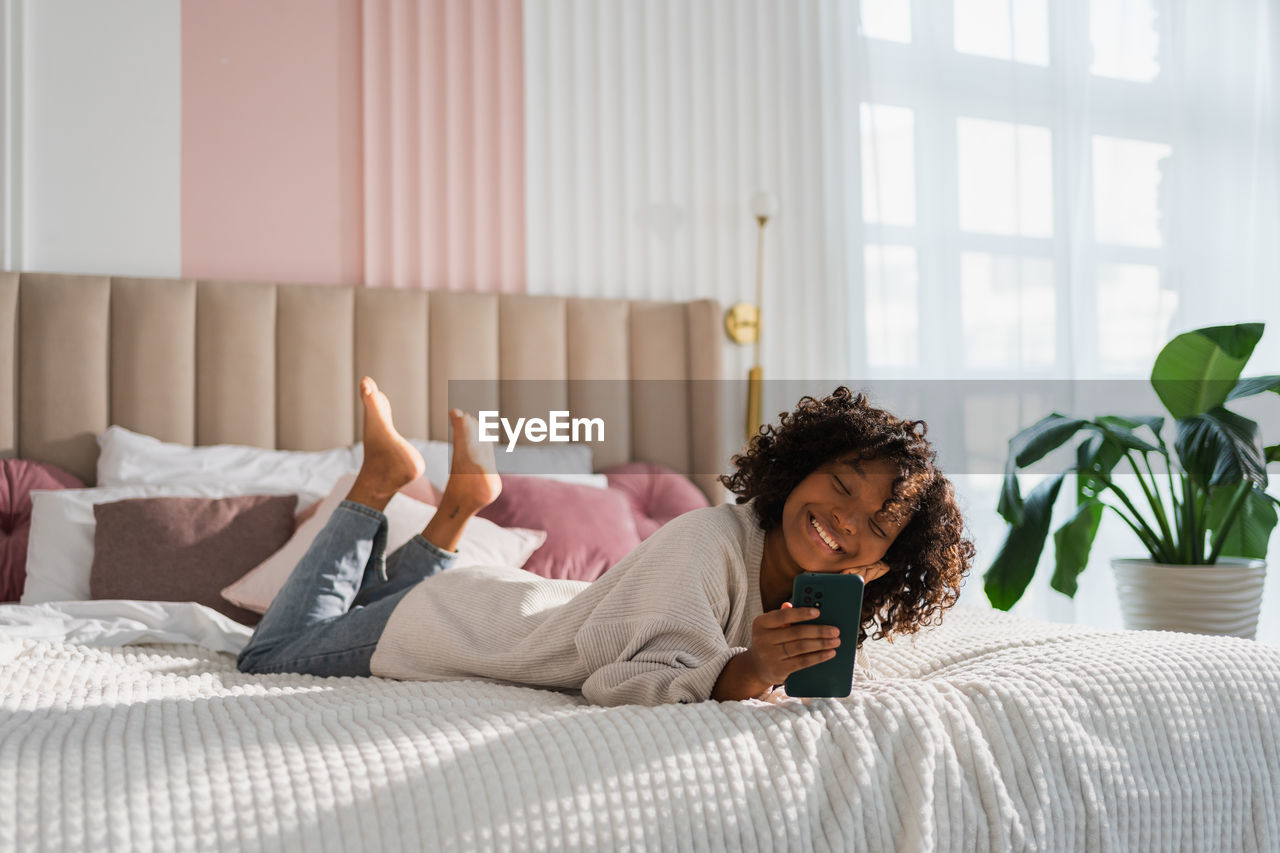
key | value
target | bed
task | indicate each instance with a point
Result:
(125, 725)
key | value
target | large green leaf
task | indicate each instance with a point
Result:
(1047, 434)
(1255, 385)
(1096, 458)
(1196, 371)
(1028, 446)
(1009, 504)
(1015, 564)
(1072, 543)
(1124, 436)
(1251, 531)
(1219, 446)
(1155, 423)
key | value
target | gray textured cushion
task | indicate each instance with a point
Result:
(186, 549)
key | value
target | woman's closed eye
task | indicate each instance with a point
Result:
(872, 524)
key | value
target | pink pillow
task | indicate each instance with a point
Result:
(656, 493)
(20, 478)
(588, 529)
(186, 549)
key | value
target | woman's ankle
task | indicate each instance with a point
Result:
(372, 497)
(445, 528)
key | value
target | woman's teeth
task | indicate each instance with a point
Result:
(831, 543)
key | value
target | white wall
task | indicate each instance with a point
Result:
(650, 126)
(100, 137)
(10, 127)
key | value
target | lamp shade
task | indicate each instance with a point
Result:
(764, 205)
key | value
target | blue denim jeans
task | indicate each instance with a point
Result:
(327, 618)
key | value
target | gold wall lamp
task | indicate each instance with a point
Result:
(742, 321)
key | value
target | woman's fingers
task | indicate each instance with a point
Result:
(782, 642)
(808, 632)
(799, 648)
(806, 661)
(787, 615)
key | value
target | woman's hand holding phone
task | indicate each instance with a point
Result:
(780, 646)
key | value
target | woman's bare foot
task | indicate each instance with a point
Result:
(390, 461)
(473, 484)
(473, 475)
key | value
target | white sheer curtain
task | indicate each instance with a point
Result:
(1050, 190)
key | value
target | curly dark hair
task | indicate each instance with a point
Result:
(930, 556)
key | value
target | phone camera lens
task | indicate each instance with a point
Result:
(817, 595)
(808, 589)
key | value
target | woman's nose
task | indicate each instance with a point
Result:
(840, 522)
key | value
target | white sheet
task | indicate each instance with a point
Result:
(119, 622)
(988, 733)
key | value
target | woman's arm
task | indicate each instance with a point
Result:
(656, 632)
(738, 680)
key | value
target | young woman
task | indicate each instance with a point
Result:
(698, 611)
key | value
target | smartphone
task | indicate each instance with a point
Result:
(839, 598)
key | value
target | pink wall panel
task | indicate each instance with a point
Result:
(271, 140)
(444, 144)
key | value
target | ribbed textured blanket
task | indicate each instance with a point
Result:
(987, 733)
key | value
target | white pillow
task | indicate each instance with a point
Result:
(569, 463)
(60, 547)
(128, 457)
(483, 544)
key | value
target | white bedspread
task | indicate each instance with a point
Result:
(988, 733)
(120, 622)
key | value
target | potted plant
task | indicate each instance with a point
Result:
(1202, 503)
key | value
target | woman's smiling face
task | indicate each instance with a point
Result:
(831, 521)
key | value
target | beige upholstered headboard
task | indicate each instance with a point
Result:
(209, 362)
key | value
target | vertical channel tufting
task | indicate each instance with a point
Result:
(532, 355)
(660, 398)
(391, 346)
(8, 364)
(63, 381)
(315, 350)
(598, 358)
(153, 357)
(235, 363)
(276, 366)
(462, 345)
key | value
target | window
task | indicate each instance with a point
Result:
(1014, 180)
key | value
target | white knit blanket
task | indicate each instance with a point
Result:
(989, 733)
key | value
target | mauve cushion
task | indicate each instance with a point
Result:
(588, 529)
(20, 477)
(657, 493)
(186, 549)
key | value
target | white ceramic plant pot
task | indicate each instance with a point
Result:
(1224, 598)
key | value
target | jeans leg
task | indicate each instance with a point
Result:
(412, 562)
(343, 645)
(326, 580)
